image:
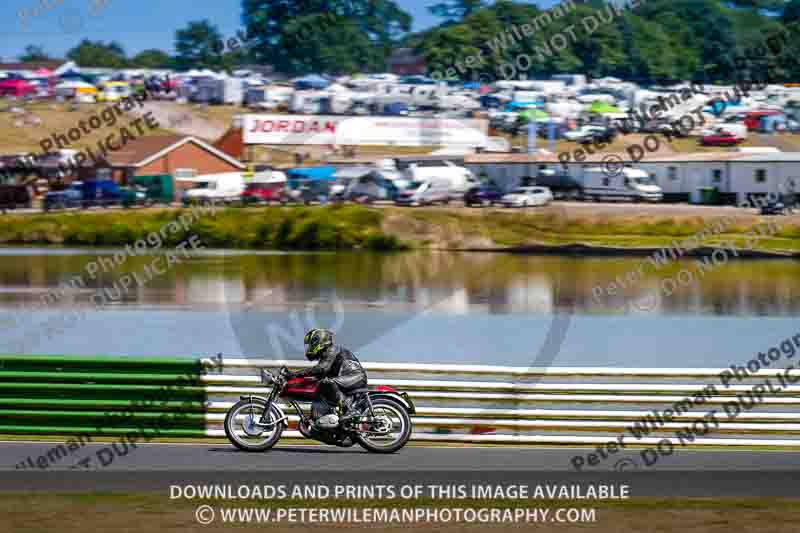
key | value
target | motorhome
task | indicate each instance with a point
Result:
(219, 90)
(629, 184)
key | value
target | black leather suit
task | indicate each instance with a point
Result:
(339, 371)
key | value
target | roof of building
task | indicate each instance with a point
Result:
(51, 64)
(600, 157)
(144, 150)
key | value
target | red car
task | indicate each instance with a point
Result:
(720, 139)
(256, 193)
(753, 118)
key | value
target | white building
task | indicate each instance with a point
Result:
(737, 175)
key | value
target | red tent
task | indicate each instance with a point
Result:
(16, 88)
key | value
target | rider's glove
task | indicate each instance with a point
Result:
(293, 375)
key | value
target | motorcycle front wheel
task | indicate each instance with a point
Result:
(386, 432)
(243, 432)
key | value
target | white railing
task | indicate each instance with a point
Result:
(591, 405)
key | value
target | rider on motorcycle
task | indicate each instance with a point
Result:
(339, 371)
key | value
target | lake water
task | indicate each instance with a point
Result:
(479, 308)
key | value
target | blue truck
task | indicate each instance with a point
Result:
(84, 194)
(308, 184)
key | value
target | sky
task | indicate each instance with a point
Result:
(58, 25)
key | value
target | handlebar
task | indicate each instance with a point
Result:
(269, 377)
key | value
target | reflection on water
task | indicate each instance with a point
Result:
(455, 283)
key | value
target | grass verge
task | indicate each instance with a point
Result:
(343, 227)
(291, 228)
(68, 513)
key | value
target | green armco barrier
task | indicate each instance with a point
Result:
(69, 377)
(45, 363)
(105, 405)
(57, 395)
(143, 393)
(79, 430)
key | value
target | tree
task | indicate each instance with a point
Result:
(151, 58)
(98, 54)
(34, 53)
(199, 45)
(298, 36)
(456, 9)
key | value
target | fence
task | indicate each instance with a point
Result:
(455, 403)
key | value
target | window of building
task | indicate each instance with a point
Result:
(760, 175)
(182, 173)
(716, 176)
(672, 173)
(607, 181)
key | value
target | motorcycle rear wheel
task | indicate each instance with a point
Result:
(390, 413)
(244, 413)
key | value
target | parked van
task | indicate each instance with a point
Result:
(214, 188)
(425, 192)
(114, 91)
(629, 184)
(461, 179)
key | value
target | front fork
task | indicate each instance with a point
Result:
(264, 420)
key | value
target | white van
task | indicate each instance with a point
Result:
(214, 188)
(425, 192)
(460, 179)
(628, 184)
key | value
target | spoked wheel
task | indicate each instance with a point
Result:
(242, 429)
(386, 432)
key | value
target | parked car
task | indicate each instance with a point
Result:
(527, 196)
(71, 196)
(720, 138)
(13, 196)
(779, 206)
(752, 119)
(101, 193)
(148, 190)
(306, 191)
(605, 135)
(257, 193)
(560, 183)
(89, 193)
(584, 132)
(482, 195)
(425, 192)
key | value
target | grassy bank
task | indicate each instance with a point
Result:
(351, 227)
(566, 227)
(300, 228)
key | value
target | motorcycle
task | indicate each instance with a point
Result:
(378, 420)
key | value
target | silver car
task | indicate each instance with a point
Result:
(527, 196)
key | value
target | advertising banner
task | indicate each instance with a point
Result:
(344, 130)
